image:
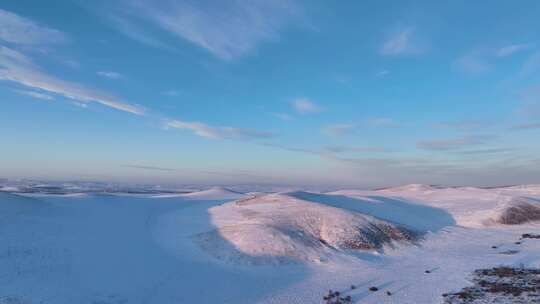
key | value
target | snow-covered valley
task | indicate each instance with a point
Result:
(413, 243)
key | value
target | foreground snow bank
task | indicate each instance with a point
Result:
(281, 228)
(12, 205)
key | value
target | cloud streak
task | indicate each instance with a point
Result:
(527, 126)
(336, 130)
(136, 32)
(461, 125)
(110, 75)
(383, 122)
(328, 151)
(401, 42)
(452, 144)
(35, 94)
(149, 168)
(19, 30)
(282, 116)
(204, 130)
(170, 93)
(346, 149)
(306, 106)
(486, 151)
(509, 50)
(227, 30)
(473, 63)
(17, 68)
(481, 60)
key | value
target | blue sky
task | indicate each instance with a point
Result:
(320, 93)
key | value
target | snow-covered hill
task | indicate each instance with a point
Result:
(281, 228)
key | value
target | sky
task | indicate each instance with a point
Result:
(320, 93)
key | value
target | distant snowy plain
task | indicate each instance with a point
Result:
(222, 246)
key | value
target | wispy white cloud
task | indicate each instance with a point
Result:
(347, 149)
(526, 126)
(473, 62)
(455, 143)
(474, 166)
(382, 73)
(16, 67)
(486, 151)
(198, 128)
(383, 122)
(483, 59)
(170, 93)
(153, 168)
(531, 65)
(241, 133)
(510, 49)
(19, 30)
(227, 30)
(306, 106)
(282, 116)
(292, 149)
(338, 129)
(402, 42)
(530, 103)
(238, 173)
(137, 32)
(461, 125)
(37, 95)
(328, 151)
(110, 75)
(204, 130)
(71, 63)
(79, 104)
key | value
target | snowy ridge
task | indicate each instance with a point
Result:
(283, 228)
(404, 212)
(411, 187)
(476, 207)
(520, 189)
(215, 193)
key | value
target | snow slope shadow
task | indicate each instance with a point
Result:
(399, 211)
(201, 277)
(118, 249)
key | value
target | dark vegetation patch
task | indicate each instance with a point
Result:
(500, 285)
(522, 212)
(509, 252)
(530, 236)
(376, 235)
(335, 297)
